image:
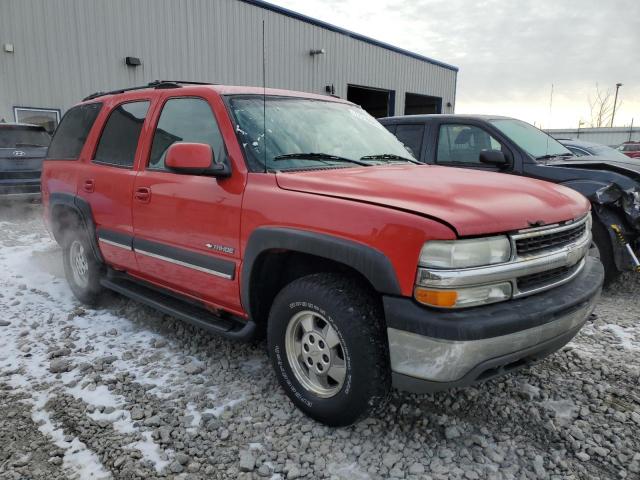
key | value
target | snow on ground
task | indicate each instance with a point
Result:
(48, 326)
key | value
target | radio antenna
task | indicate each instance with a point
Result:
(264, 100)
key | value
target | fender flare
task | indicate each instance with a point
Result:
(81, 208)
(369, 262)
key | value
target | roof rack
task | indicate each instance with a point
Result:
(158, 84)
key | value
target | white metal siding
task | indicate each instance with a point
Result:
(67, 49)
(604, 136)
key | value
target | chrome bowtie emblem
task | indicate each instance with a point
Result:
(18, 153)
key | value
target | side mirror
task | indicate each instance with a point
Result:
(194, 159)
(494, 157)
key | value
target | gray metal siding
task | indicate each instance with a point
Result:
(67, 49)
(604, 136)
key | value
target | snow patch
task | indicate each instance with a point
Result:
(625, 335)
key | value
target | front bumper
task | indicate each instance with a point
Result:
(433, 350)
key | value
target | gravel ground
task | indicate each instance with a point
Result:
(123, 392)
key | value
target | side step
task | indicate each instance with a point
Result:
(184, 310)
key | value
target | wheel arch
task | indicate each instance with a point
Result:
(293, 253)
(67, 211)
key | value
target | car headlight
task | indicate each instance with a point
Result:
(476, 252)
(464, 296)
(460, 254)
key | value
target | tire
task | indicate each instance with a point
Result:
(349, 380)
(603, 249)
(81, 268)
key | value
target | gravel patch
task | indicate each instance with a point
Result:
(121, 391)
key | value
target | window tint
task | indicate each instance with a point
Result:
(463, 144)
(72, 132)
(411, 137)
(185, 120)
(391, 127)
(120, 135)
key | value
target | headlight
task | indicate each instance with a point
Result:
(465, 253)
(464, 297)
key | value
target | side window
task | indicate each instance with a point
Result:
(119, 140)
(411, 137)
(391, 127)
(462, 144)
(185, 120)
(72, 132)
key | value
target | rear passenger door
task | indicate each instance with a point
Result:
(187, 227)
(107, 181)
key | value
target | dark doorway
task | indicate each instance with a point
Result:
(376, 101)
(415, 104)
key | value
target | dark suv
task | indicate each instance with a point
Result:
(22, 149)
(507, 145)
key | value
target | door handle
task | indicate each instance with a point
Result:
(143, 194)
(89, 185)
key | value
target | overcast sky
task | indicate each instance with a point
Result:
(510, 51)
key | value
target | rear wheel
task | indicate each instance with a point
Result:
(603, 249)
(82, 269)
(328, 347)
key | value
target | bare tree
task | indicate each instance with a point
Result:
(601, 104)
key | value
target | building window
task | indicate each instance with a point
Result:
(49, 118)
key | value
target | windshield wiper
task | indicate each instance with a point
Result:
(319, 156)
(389, 156)
(554, 155)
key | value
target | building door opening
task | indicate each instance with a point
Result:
(376, 101)
(415, 104)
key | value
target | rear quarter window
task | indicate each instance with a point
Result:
(72, 133)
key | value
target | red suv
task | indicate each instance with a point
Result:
(312, 223)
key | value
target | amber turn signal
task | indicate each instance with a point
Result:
(436, 298)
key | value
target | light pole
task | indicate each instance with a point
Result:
(615, 102)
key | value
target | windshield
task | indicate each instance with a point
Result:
(605, 151)
(307, 126)
(533, 141)
(23, 137)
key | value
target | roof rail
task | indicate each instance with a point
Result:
(160, 84)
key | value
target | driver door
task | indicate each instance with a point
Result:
(460, 144)
(187, 227)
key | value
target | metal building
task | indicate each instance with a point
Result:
(611, 136)
(55, 52)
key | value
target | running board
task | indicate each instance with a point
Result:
(184, 310)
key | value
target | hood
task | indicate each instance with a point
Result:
(472, 202)
(626, 167)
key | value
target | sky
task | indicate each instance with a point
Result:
(511, 52)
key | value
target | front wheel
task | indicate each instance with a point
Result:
(328, 347)
(82, 270)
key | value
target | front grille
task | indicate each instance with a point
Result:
(543, 279)
(9, 175)
(553, 240)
